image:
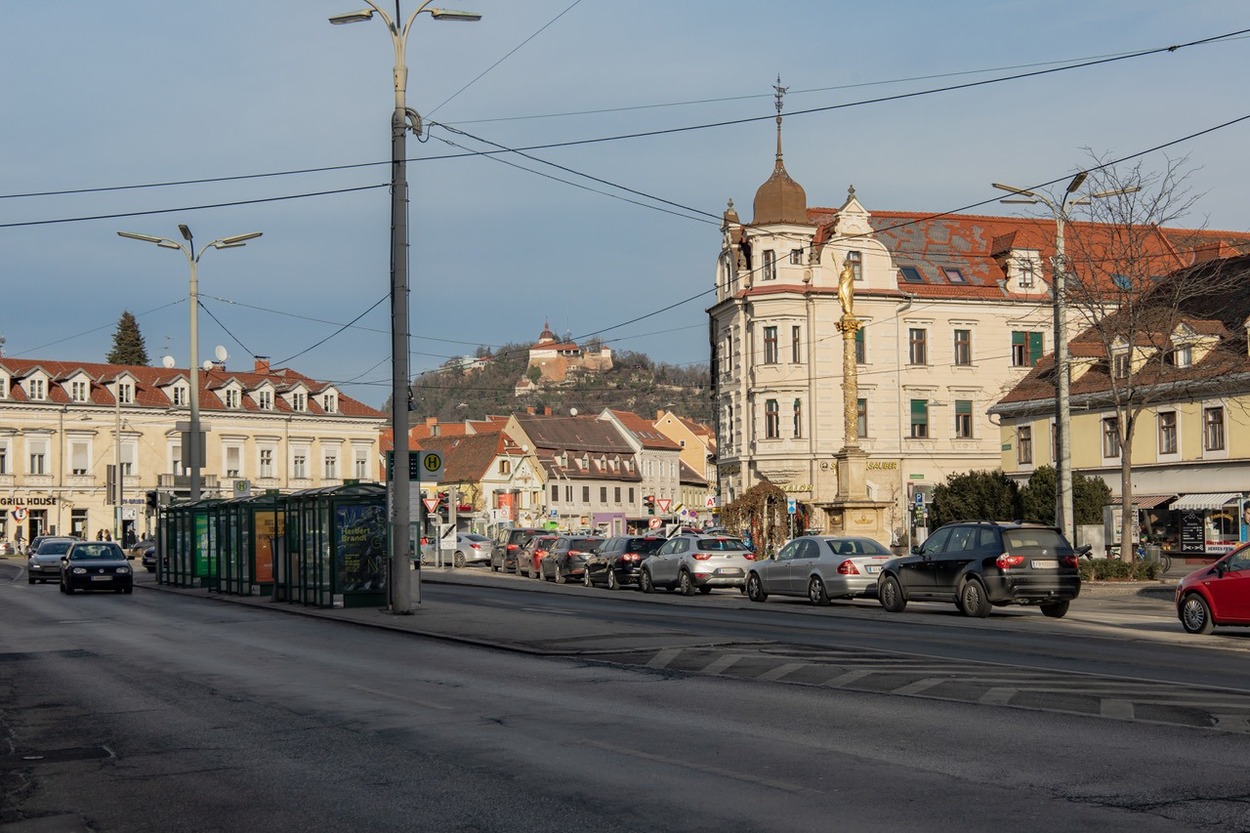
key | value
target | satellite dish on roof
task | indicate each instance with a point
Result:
(572, 412)
(167, 361)
(220, 352)
(208, 364)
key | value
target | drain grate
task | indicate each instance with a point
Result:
(22, 760)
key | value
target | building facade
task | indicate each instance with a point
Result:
(66, 427)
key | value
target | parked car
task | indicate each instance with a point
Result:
(1218, 594)
(96, 565)
(508, 542)
(697, 562)
(531, 555)
(471, 548)
(567, 557)
(149, 557)
(982, 564)
(617, 560)
(44, 564)
(819, 567)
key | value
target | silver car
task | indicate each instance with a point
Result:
(697, 562)
(472, 548)
(820, 567)
(44, 564)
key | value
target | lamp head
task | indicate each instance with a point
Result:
(352, 17)
(146, 238)
(1076, 182)
(452, 14)
(237, 239)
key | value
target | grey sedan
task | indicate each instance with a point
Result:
(819, 567)
(44, 564)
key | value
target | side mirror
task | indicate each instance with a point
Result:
(1220, 568)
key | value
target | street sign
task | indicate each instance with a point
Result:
(790, 506)
(709, 502)
(423, 466)
(242, 488)
(920, 498)
(553, 513)
(655, 523)
(431, 503)
(664, 503)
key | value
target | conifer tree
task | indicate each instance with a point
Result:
(128, 347)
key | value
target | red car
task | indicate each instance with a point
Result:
(1216, 595)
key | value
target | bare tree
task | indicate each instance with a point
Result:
(1129, 289)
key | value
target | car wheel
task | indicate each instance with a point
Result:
(559, 577)
(816, 593)
(755, 588)
(31, 579)
(685, 584)
(537, 571)
(972, 600)
(458, 559)
(494, 568)
(890, 595)
(644, 582)
(128, 589)
(1196, 614)
(613, 582)
(1056, 610)
(586, 579)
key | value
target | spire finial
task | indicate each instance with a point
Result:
(780, 93)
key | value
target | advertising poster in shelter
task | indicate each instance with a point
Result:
(360, 551)
(269, 526)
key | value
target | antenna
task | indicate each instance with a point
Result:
(220, 352)
(208, 364)
(167, 361)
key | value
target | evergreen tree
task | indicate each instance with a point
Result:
(128, 347)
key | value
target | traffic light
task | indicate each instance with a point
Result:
(443, 504)
(153, 499)
(649, 502)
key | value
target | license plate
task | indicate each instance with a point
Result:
(101, 578)
(871, 568)
(1044, 565)
(728, 571)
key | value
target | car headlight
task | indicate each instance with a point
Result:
(79, 571)
(121, 571)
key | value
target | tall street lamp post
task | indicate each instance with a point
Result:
(1064, 514)
(194, 461)
(401, 594)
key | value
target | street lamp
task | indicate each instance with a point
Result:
(401, 595)
(194, 461)
(1063, 407)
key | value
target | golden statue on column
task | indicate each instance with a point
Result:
(848, 325)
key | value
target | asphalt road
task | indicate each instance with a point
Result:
(167, 711)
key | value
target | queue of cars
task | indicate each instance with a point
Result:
(80, 565)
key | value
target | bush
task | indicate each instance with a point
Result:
(1112, 569)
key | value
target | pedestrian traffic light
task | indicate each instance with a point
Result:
(153, 499)
(649, 502)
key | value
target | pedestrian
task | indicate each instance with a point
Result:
(99, 536)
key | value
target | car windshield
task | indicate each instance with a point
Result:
(721, 544)
(84, 552)
(857, 546)
(53, 548)
(644, 546)
(1041, 538)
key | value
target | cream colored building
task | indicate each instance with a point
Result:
(64, 425)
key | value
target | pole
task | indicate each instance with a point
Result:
(193, 445)
(1063, 409)
(117, 462)
(402, 589)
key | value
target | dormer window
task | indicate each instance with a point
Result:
(1026, 275)
(1120, 366)
(299, 402)
(35, 389)
(180, 396)
(1182, 356)
(856, 259)
(264, 399)
(911, 274)
(125, 393)
(232, 397)
(4, 387)
(79, 390)
(330, 403)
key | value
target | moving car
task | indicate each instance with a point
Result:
(508, 543)
(819, 567)
(982, 564)
(96, 565)
(1218, 594)
(44, 563)
(697, 562)
(566, 558)
(471, 548)
(617, 560)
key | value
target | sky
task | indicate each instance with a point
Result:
(638, 122)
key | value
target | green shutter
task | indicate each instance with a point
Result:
(1035, 348)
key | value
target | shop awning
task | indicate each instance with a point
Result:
(1143, 501)
(1206, 500)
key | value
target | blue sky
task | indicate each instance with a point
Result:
(135, 92)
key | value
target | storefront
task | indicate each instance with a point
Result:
(1209, 523)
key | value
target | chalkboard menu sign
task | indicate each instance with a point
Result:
(1193, 538)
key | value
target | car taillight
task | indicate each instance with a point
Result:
(749, 556)
(848, 568)
(510, 546)
(702, 556)
(1068, 560)
(1007, 561)
(630, 556)
(476, 546)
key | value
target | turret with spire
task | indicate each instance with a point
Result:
(780, 199)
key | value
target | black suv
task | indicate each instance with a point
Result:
(508, 543)
(617, 560)
(979, 564)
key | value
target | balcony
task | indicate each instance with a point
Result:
(178, 481)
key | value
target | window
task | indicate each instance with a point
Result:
(330, 403)
(1111, 437)
(125, 393)
(1120, 366)
(920, 419)
(856, 259)
(330, 464)
(299, 465)
(585, 494)
(729, 430)
(79, 454)
(4, 388)
(1167, 432)
(770, 345)
(266, 462)
(1024, 445)
(631, 494)
(180, 396)
(232, 397)
(129, 452)
(963, 419)
(1213, 429)
(1181, 357)
(772, 427)
(78, 390)
(769, 267)
(299, 401)
(555, 493)
(568, 493)
(35, 388)
(1026, 348)
(911, 274)
(798, 418)
(616, 494)
(264, 400)
(37, 460)
(861, 349)
(361, 464)
(505, 467)
(234, 460)
(603, 494)
(1026, 275)
(963, 347)
(916, 346)
(4, 459)
(954, 275)
(796, 346)
(861, 417)
(796, 257)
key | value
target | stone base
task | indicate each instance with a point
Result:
(860, 517)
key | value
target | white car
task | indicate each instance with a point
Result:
(687, 563)
(820, 567)
(472, 548)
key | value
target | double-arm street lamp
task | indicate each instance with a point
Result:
(195, 460)
(401, 594)
(1064, 515)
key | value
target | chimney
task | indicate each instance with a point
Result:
(659, 414)
(262, 364)
(530, 410)
(546, 410)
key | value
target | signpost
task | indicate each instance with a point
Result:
(664, 503)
